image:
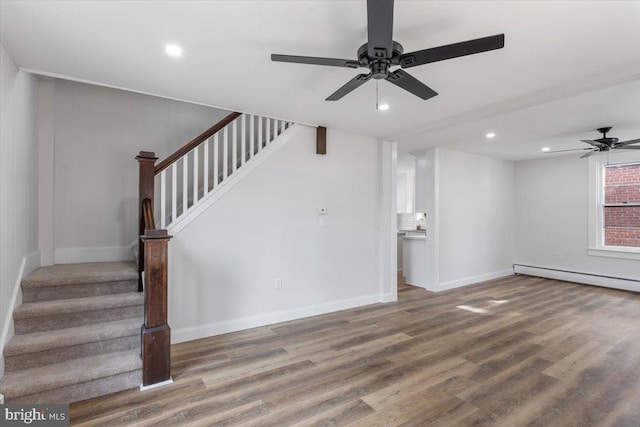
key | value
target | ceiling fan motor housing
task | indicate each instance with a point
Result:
(380, 64)
(609, 142)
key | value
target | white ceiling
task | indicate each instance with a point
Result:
(567, 67)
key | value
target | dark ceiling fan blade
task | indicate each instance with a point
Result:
(409, 83)
(573, 149)
(450, 51)
(313, 60)
(588, 141)
(380, 28)
(628, 147)
(629, 142)
(589, 153)
(351, 85)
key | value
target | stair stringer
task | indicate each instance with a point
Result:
(224, 187)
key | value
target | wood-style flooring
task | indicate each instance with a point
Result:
(517, 351)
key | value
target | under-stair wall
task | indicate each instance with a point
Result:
(93, 133)
(225, 265)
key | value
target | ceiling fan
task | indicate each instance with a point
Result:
(604, 144)
(381, 53)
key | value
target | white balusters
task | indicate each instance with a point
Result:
(195, 176)
(268, 137)
(251, 136)
(225, 153)
(163, 199)
(174, 191)
(215, 160)
(248, 132)
(243, 140)
(259, 134)
(205, 166)
(185, 183)
(234, 148)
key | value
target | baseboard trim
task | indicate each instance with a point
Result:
(211, 329)
(32, 262)
(578, 277)
(156, 385)
(99, 254)
(27, 266)
(473, 279)
(388, 297)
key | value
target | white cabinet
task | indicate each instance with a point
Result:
(414, 255)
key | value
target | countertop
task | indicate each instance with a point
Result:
(413, 234)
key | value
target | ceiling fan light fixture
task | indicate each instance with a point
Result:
(173, 50)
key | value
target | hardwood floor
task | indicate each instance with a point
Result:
(518, 351)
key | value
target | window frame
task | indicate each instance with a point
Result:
(596, 246)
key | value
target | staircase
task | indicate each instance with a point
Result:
(84, 330)
(77, 334)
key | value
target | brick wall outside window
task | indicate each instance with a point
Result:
(622, 223)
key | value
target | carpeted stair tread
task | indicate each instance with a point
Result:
(58, 338)
(69, 373)
(73, 274)
(77, 305)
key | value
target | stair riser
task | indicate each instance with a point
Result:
(51, 293)
(49, 322)
(47, 357)
(83, 391)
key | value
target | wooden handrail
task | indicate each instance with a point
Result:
(195, 142)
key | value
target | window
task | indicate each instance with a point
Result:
(614, 205)
(622, 205)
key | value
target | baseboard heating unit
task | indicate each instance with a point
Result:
(577, 277)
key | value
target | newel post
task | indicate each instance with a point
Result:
(156, 333)
(146, 180)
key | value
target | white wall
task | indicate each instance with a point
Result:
(469, 201)
(476, 215)
(96, 133)
(18, 186)
(224, 265)
(427, 191)
(551, 219)
(406, 189)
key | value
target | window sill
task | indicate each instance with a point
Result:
(610, 252)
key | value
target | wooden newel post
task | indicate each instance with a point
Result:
(156, 333)
(146, 180)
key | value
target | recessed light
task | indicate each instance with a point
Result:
(545, 149)
(490, 135)
(383, 107)
(173, 50)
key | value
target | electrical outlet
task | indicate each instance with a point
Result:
(278, 284)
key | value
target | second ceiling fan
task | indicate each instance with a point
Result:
(381, 53)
